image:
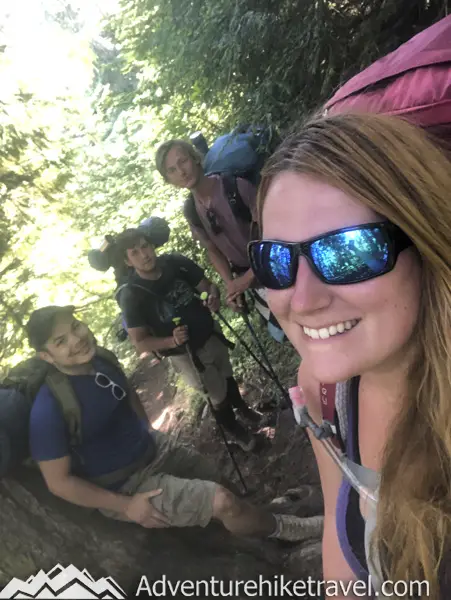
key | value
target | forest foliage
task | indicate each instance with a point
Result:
(73, 169)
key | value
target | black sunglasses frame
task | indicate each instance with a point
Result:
(396, 239)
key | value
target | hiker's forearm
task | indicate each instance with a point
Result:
(221, 265)
(153, 344)
(83, 493)
(249, 277)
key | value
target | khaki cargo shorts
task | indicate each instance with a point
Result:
(214, 355)
(188, 481)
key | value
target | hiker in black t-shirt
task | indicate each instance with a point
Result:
(166, 288)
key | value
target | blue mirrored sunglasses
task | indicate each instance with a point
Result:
(340, 257)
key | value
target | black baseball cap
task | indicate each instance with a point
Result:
(41, 322)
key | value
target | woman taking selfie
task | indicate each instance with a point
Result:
(355, 215)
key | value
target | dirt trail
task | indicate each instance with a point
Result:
(283, 471)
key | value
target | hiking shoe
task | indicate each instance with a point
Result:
(290, 528)
(244, 439)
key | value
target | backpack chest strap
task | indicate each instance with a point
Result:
(64, 394)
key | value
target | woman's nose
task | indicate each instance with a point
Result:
(310, 293)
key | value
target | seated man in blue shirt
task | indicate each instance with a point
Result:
(119, 466)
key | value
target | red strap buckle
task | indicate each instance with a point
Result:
(328, 393)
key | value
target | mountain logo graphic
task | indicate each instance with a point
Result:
(60, 582)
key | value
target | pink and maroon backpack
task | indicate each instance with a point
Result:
(414, 81)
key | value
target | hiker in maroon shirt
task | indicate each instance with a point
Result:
(223, 234)
(223, 231)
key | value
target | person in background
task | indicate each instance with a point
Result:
(224, 235)
(162, 289)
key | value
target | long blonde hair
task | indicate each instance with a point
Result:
(396, 170)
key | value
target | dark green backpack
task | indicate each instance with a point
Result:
(17, 394)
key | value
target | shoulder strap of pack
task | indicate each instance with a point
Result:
(190, 212)
(334, 400)
(131, 285)
(342, 401)
(64, 394)
(328, 392)
(108, 356)
(237, 204)
(328, 410)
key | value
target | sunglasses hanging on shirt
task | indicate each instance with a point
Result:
(105, 382)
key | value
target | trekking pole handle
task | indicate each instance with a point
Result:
(209, 298)
(177, 321)
(205, 296)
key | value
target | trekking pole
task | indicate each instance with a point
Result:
(221, 317)
(243, 343)
(201, 384)
(271, 374)
(245, 315)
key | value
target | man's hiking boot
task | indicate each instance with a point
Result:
(244, 439)
(290, 528)
(250, 415)
(236, 400)
(225, 417)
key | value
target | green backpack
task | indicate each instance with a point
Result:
(17, 394)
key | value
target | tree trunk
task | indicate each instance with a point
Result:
(39, 531)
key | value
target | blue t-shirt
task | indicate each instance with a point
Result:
(113, 436)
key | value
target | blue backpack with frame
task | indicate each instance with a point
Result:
(240, 153)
